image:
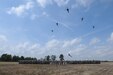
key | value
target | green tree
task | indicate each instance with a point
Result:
(16, 58)
(61, 57)
(29, 58)
(6, 57)
(47, 58)
(34, 58)
(22, 58)
(53, 57)
(9, 57)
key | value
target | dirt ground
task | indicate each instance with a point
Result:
(36, 69)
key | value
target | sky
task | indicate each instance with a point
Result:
(25, 28)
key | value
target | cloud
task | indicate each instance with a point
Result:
(111, 37)
(78, 49)
(21, 9)
(43, 14)
(71, 42)
(94, 41)
(88, 3)
(61, 2)
(93, 32)
(3, 38)
(105, 51)
(44, 3)
(75, 47)
(23, 48)
(83, 3)
(52, 44)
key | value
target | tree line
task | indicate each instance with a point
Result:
(15, 58)
(53, 57)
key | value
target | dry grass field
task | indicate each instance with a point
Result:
(36, 69)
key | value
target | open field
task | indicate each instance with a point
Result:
(36, 69)
(8, 63)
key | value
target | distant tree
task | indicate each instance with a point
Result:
(9, 57)
(47, 58)
(61, 57)
(6, 57)
(34, 58)
(29, 58)
(22, 58)
(16, 58)
(53, 57)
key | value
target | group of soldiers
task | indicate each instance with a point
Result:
(59, 62)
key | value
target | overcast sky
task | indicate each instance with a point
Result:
(25, 28)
